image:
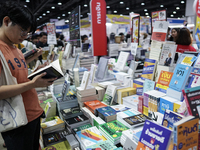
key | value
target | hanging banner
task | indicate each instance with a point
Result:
(85, 24)
(98, 20)
(51, 34)
(158, 16)
(136, 29)
(117, 19)
(197, 9)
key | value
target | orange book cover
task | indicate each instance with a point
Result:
(92, 105)
(186, 135)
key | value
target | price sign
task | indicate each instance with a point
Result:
(134, 48)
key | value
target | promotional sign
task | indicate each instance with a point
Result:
(98, 19)
(158, 16)
(74, 27)
(117, 19)
(136, 29)
(197, 8)
(51, 33)
(197, 31)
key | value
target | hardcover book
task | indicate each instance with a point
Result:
(30, 53)
(53, 70)
(180, 77)
(148, 69)
(109, 94)
(186, 134)
(192, 98)
(154, 137)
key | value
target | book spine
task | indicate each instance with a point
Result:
(175, 137)
(186, 102)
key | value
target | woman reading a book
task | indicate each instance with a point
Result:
(16, 21)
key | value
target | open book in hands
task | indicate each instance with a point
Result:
(53, 70)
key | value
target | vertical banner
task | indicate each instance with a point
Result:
(74, 27)
(197, 31)
(51, 33)
(158, 16)
(98, 19)
(135, 29)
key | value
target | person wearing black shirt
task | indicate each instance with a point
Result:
(42, 43)
(59, 42)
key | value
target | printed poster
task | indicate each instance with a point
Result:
(136, 29)
(51, 33)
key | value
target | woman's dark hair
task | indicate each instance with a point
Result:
(18, 14)
(183, 37)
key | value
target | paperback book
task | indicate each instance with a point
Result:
(30, 53)
(93, 105)
(148, 86)
(107, 113)
(148, 69)
(109, 94)
(105, 145)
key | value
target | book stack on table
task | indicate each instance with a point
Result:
(131, 101)
(86, 62)
(80, 74)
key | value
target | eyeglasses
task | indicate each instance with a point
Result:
(23, 32)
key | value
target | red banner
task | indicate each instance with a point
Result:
(198, 8)
(98, 19)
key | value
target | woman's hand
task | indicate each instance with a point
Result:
(38, 81)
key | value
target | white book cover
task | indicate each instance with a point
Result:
(92, 73)
(167, 54)
(84, 81)
(122, 59)
(109, 94)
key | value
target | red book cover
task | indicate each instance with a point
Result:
(186, 102)
(92, 105)
(140, 104)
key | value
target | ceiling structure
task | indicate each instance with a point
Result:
(45, 10)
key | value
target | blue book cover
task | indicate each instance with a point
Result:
(148, 69)
(148, 86)
(154, 137)
(179, 77)
(166, 103)
(106, 111)
(170, 118)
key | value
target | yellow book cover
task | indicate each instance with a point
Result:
(51, 123)
(124, 93)
(59, 146)
(145, 110)
(186, 134)
(177, 106)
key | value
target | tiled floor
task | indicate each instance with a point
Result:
(1, 144)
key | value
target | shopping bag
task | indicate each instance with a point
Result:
(12, 111)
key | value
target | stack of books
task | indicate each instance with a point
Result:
(70, 112)
(76, 121)
(72, 141)
(80, 74)
(56, 124)
(131, 101)
(100, 92)
(108, 114)
(88, 114)
(98, 121)
(127, 113)
(93, 105)
(134, 121)
(89, 137)
(86, 61)
(113, 131)
(86, 95)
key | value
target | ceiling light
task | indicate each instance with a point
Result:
(161, 5)
(148, 16)
(174, 12)
(145, 9)
(121, 2)
(121, 14)
(63, 15)
(25, 6)
(59, 3)
(69, 12)
(85, 5)
(132, 12)
(58, 17)
(177, 8)
(142, 3)
(27, 1)
(40, 17)
(108, 7)
(182, 2)
(127, 8)
(66, 20)
(44, 14)
(172, 15)
(52, 7)
(179, 18)
(48, 11)
(115, 11)
(146, 13)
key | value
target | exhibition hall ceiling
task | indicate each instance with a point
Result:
(45, 10)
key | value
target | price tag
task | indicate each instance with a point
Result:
(134, 48)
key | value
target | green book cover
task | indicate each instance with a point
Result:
(109, 94)
(113, 128)
(86, 126)
(95, 123)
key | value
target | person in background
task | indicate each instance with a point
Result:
(127, 37)
(168, 33)
(174, 33)
(16, 21)
(59, 42)
(62, 38)
(122, 37)
(35, 39)
(42, 43)
(184, 41)
(19, 46)
(84, 38)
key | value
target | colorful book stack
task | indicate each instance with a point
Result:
(93, 105)
(88, 114)
(131, 101)
(107, 113)
(113, 131)
(98, 121)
